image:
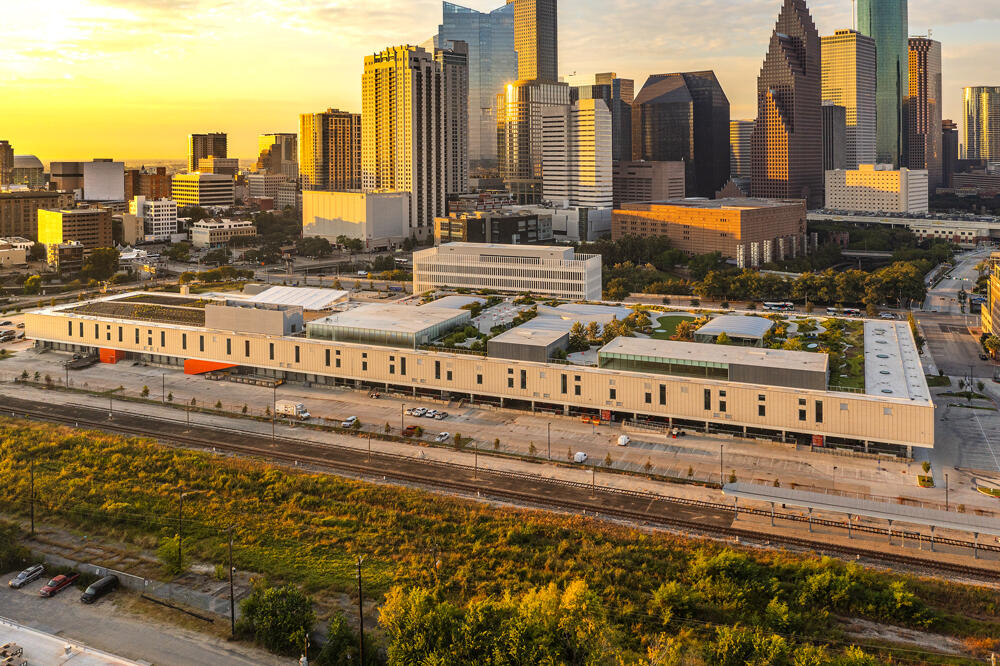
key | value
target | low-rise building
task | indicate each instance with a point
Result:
(389, 325)
(211, 233)
(65, 257)
(573, 225)
(544, 270)
(264, 185)
(12, 255)
(877, 188)
(158, 217)
(28, 171)
(754, 232)
(503, 227)
(746, 331)
(647, 181)
(380, 219)
(91, 227)
(203, 189)
(289, 196)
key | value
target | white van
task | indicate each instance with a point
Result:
(624, 440)
(580, 457)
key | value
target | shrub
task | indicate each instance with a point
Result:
(145, 392)
(277, 618)
(166, 552)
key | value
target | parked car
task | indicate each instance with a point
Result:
(58, 584)
(887, 315)
(99, 589)
(440, 416)
(623, 440)
(580, 457)
(443, 437)
(6, 322)
(419, 411)
(20, 325)
(984, 357)
(410, 431)
(409, 412)
(26, 576)
(349, 422)
(430, 413)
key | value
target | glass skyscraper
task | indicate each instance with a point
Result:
(981, 126)
(886, 21)
(492, 64)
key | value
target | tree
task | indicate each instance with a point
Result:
(32, 285)
(723, 339)
(577, 338)
(275, 617)
(178, 252)
(218, 257)
(101, 264)
(593, 331)
(37, 252)
(314, 247)
(145, 392)
(917, 338)
(170, 397)
(167, 553)
(341, 648)
(992, 345)
(702, 264)
(352, 245)
(616, 290)
(793, 344)
(608, 461)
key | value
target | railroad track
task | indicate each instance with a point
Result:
(710, 519)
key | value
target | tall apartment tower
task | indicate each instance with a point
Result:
(981, 129)
(849, 74)
(536, 39)
(454, 63)
(922, 110)
(618, 95)
(949, 150)
(684, 116)
(278, 155)
(330, 145)
(576, 154)
(740, 133)
(6, 163)
(886, 21)
(403, 137)
(201, 146)
(520, 104)
(492, 64)
(787, 148)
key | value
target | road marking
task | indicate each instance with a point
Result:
(989, 445)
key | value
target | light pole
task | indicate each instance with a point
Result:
(361, 615)
(274, 407)
(722, 478)
(946, 503)
(163, 389)
(548, 438)
(32, 497)
(232, 596)
(402, 407)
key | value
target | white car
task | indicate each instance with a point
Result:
(349, 421)
(887, 315)
(419, 411)
(580, 457)
(443, 437)
(409, 412)
(430, 413)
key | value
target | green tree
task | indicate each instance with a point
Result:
(617, 290)
(275, 617)
(341, 647)
(593, 331)
(992, 345)
(917, 338)
(32, 285)
(166, 552)
(577, 338)
(101, 264)
(145, 392)
(218, 257)
(723, 339)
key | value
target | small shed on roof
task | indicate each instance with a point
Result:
(748, 331)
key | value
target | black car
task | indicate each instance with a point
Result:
(99, 589)
(984, 357)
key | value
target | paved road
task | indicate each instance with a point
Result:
(106, 626)
(952, 346)
(944, 297)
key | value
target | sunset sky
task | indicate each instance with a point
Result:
(130, 79)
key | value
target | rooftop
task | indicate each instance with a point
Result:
(540, 331)
(308, 298)
(43, 648)
(388, 316)
(736, 326)
(456, 302)
(479, 252)
(892, 362)
(746, 203)
(723, 354)
(27, 162)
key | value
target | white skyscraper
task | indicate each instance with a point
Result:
(404, 143)
(158, 217)
(849, 76)
(576, 154)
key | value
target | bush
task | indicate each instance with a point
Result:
(277, 618)
(166, 552)
(13, 555)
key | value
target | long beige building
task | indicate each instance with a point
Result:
(671, 383)
(877, 188)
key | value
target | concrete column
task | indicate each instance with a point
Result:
(706, 426)
(784, 436)
(909, 451)
(744, 431)
(810, 521)
(565, 410)
(501, 403)
(975, 546)
(414, 391)
(532, 406)
(635, 416)
(670, 422)
(472, 399)
(867, 446)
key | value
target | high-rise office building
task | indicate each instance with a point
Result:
(740, 132)
(922, 110)
(103, 180)
(203, 189)
(949, 150)
(201, 146)
(404, 142)
(150, 183)
(981, 129)
(787, 143)
(330, 144)
(278, 155)
(576, 154)
(618, 95)
(647, 181)
(684, 116)
(536, 39)
(492, 64)
(19, 210)
(6, 163)
(849, 66)
(454, 63)
(886, 21)
(834, 136)
(226, 166)
(158, 217)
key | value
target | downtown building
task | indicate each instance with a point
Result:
(29, 172)
(278, 155)
(877, 188)
(740, 135)
(647, 181)
(576, 155)
(886, 22)
(6, 163)
(618, 95)
(157, 217)
(922, 111)
(787, 142)
(90, 227)
(203, 189)
(981, 126)
(684, 116)
(849, 75)
(201, 146)
(19, 210)
(408, 133)
(97, 180)
(330, 150)
(150, 183)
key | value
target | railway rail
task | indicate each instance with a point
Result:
(697, 517)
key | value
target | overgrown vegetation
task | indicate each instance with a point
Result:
(470, 580)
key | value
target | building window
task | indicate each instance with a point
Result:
(246, 348)
(612, 394)
(121, 334)
(510, 382)
(448, 377)
(802, 402)
(708, 399)
(563, 384)
(479, 379)
(184, 340)
(722, 406)
(364, 366)
(576, 390)
(392, 369)
(136, 334)
(201, 343)
(649, 398)
(229, 347)
(326, 360)
(663, 394)
(761, 397)
(887, 411)
(163, 338)
(802, 415)
(437, 369)
(819, 411)
(70, 332)
(270, 351)
(97, 331)
(337, 364)
(524, 379)
(761, 410)
(402, 365)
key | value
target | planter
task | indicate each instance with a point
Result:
(992, 492)
(925, 481)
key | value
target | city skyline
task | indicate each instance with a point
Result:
(95, 45)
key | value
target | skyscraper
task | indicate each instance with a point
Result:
(404, 143)
(492, 64)
(331, 150)
(454, 63)
(576, 154)
(949, 150)
(205, 145)
(834, 136)
(981, 129)
(618, 95)
(786, 146)
(6, 163)
(536, 39)
(278, 155)
(740, 132)
(684, 116)
(922, 110)
(886, 21)
(849, 66)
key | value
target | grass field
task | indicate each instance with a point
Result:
(669, 325)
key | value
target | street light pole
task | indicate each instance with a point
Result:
(274, 407)
(32, 499)
(402, 406)
(163, 389)
(548, 437)
(361, 615)
(232, 596)
(721, 465)
(946, 503)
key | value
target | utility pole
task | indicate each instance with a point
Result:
(548, 437)
(722, 478)
(163, 389)
(32, 499)
(232, 596)
(274, 407)
(111, 411)
(946, 503)
(402, 406)
(361, 615)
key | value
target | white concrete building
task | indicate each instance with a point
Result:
(209, 233)
(104, 180)
(877, 188)
(544, 270)
(203, 189)
(380, 219)
(264, 185)
(576, 154)
(158, 217)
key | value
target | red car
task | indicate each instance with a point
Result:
(58, 584)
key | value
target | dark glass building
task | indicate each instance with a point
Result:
(949, 150)
(684, 116)
(834, 137)
(922, 111)
(886, 22)
(787, 141)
